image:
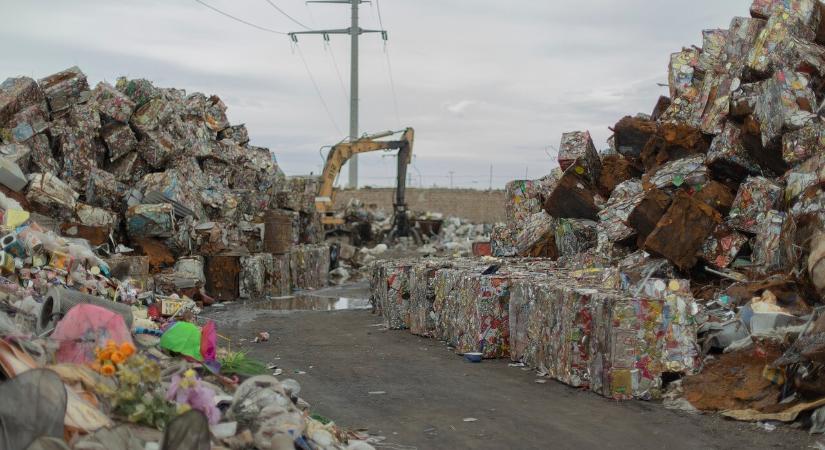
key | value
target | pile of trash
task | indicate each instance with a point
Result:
(694, 245)
(124, 210)
(158, 180)
(363, 238)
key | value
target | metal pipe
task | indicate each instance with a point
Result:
(60, 300)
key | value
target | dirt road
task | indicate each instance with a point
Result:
(418, 394)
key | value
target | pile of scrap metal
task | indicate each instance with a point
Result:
(706, 216)
(123, 211)
(161, 181)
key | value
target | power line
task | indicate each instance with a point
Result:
(380, 22)
(389, 65)
(392, 83)
(287, 15)
(337, 70)
(318, 90)
(270, 30)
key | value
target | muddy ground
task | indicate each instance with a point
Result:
(418, 394)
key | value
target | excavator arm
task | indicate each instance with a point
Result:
(341, 153)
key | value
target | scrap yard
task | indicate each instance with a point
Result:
(174, 276)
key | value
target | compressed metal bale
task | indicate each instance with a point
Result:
(648, 211)
(573, 197)
(577, 149)
(152, 220)
(727, 156)
(309, 266)
(690, 171)
(800, 145)
(682, 71)
(786, 102)
(17, 94)
(223, 277)
(714, 43)
(235, 133)
(503, 240)
(716, 195)
(616, 169)
(119, 140)
(524, 197)
(483, 314)
(722, 246)
(395, 308)
(768, 256)
(756, 196)
(742, 35)
(574, 236)
(682, 230)
(112, 103)
(422, 297)
(66, 88)
(278, 276)
(672, 142)
(631, 135)
(253, 276)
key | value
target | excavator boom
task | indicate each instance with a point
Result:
(341, 153)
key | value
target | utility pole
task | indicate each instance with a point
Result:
(354, 31)
(491, 178)
(451, 179)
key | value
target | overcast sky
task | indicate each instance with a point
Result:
(483, 82)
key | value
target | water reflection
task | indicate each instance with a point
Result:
(311, 303)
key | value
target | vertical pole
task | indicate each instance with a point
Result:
(353, 81)
(491, 177)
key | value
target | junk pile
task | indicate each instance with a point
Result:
(161, 182)
(694, 245)
(362, 239)
(123, 211)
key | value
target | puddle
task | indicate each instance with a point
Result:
(311, 303)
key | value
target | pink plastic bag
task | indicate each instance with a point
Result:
(85, 328)
(209, 342)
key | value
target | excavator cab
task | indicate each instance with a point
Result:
(342, 152)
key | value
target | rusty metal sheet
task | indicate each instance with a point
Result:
(223, 277)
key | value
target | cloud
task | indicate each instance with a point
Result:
(485, 83)
(459, 108)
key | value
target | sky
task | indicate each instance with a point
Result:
(489, 86)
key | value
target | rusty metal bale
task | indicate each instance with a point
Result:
(683, 229)
(223, 277)
(279, 231)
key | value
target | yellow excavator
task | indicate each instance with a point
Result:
(340, 153)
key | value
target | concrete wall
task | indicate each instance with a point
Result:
(475, 206)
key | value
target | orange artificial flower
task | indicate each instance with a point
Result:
(118, 357)
(127, 349)
(108, 370)
(104, 355)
